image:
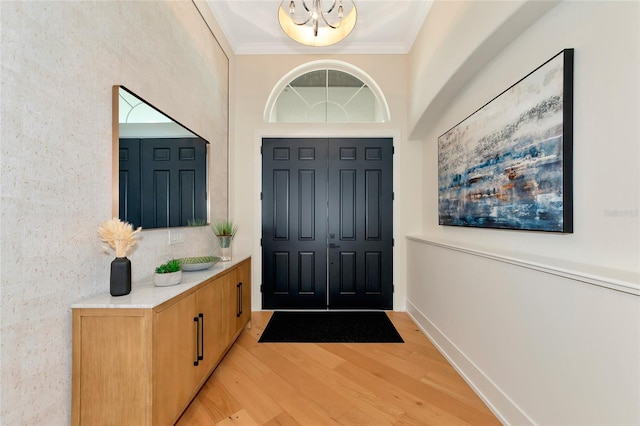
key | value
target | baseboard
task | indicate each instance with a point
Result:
(498, 402)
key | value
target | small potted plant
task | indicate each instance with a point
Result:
(196, 222)
(225, 230)
(169, 273)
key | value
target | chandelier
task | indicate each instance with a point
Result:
(317, 22)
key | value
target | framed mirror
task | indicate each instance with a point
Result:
(159, 166)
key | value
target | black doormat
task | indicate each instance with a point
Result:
(330, 327)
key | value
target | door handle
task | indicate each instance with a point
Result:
(197, 321)
(333, 246)
(201, 354)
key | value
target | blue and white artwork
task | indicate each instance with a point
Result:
(508, 165)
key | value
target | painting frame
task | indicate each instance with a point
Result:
(509, 164)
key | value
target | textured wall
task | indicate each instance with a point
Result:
(59, 61)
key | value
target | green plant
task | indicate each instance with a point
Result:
(224, 228)
(196, 222)
(172, 265)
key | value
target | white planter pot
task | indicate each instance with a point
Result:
(164, 280)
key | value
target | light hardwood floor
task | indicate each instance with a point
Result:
(336, 384)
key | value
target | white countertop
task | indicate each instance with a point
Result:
(146, 295)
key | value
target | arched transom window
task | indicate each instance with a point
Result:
(326, 92)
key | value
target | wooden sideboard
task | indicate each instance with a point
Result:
(141, 362)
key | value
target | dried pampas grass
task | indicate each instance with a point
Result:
(119, 235)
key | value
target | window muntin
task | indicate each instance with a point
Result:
(327, 96)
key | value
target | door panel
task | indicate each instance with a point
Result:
(361, 223)
(129, 181)
(173, 172)
(294, 223)
(327, 200)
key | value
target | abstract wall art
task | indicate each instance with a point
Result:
(509, 164)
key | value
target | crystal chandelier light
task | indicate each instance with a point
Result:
(317, 22)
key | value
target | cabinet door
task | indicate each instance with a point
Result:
(111, 367)
(175, 353)
(229, 305)
(213, 342)
(243, 276)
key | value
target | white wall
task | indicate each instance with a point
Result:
(456, 41)
(59, 62)
(545, 349)
(538, 347)
(252, 81)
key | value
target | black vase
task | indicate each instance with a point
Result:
(120, 276)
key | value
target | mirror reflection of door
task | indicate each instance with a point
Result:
(327, 223)
(162, 167)
(162, 182)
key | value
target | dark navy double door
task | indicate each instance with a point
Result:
(327, 223)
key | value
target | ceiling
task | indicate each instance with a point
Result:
(383, 27)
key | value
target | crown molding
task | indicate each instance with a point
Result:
(278, 48)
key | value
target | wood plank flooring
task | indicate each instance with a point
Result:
(336, 384)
